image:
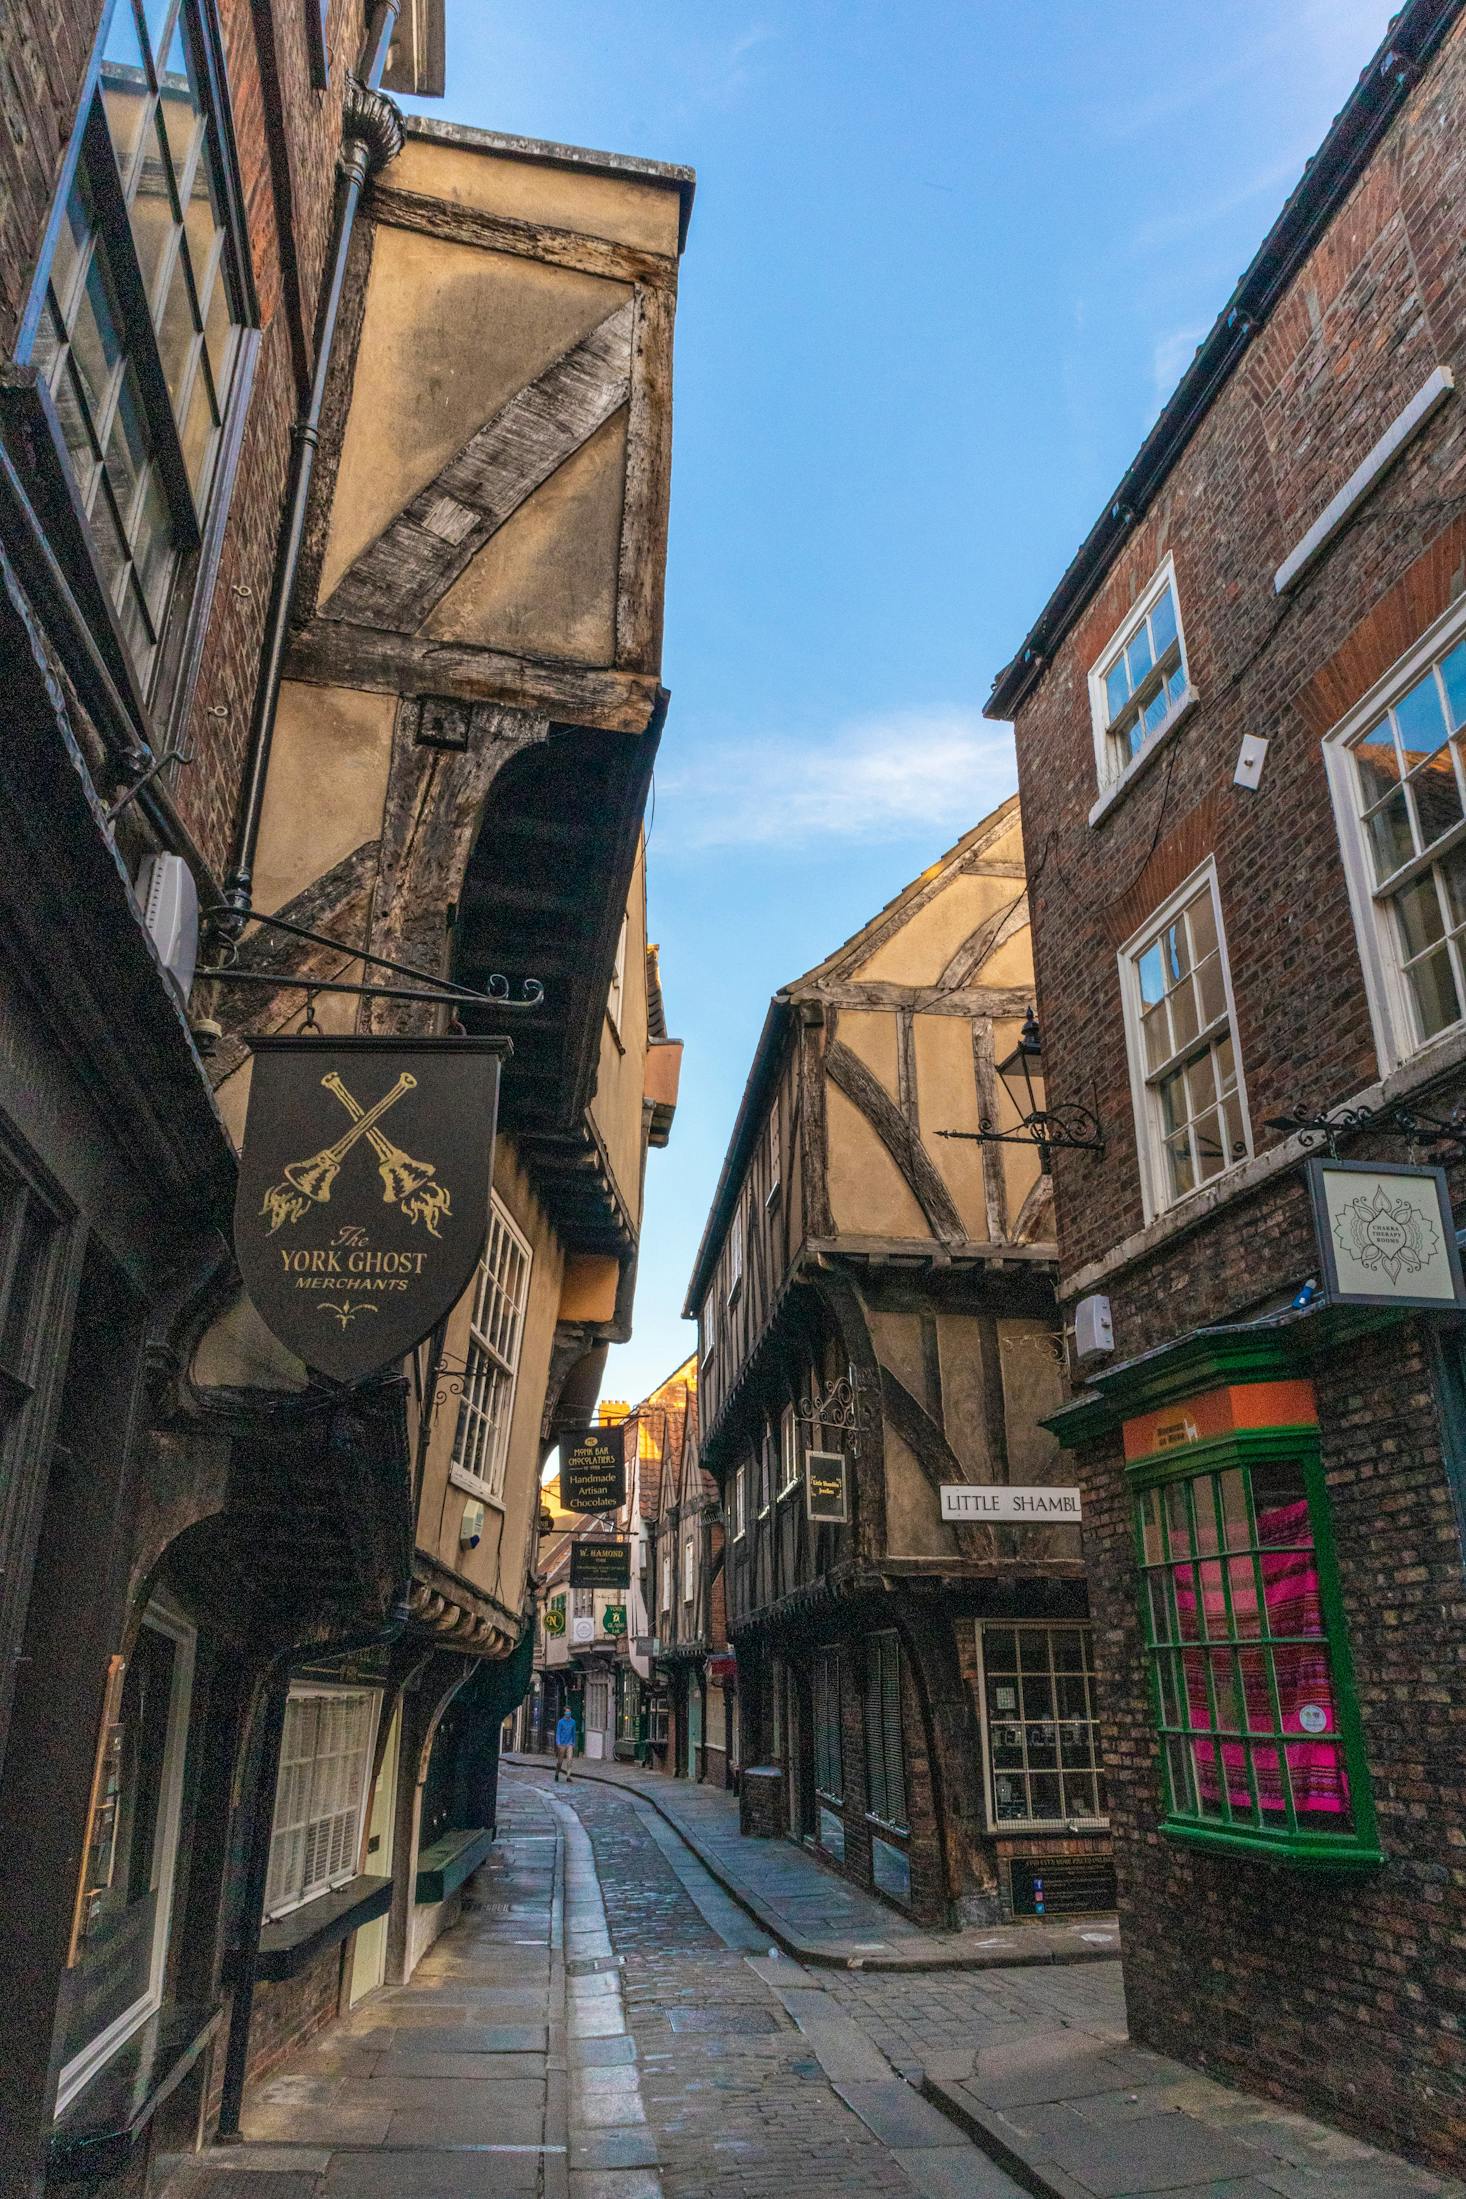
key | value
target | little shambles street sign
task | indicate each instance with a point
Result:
(971, 1503)
(600, 1564)
(593, 1470)
(363, 1195)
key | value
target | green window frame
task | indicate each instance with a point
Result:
(885, 1756)
(1247, 1654)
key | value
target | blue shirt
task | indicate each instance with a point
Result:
(565, 1731)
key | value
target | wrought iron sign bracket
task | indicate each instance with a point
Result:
(842, 1406)
(1443, 1135)
(1071, 1129)
(440, 992)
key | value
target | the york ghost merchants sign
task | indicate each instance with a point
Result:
(364, 1190)
(593, 1469)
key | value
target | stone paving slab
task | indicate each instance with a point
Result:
(819, 1918)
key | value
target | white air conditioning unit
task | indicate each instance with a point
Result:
(170, 904)
(1094, 1328)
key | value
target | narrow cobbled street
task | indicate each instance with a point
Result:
(605, 2022)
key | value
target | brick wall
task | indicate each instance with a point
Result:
(1342, 1993)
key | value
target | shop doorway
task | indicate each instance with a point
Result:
(369, 1958)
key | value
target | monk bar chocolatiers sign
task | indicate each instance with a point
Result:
(363, 1197)
(593, 1469)
(600, 1564)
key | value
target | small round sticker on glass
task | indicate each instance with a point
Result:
(1313, 1718)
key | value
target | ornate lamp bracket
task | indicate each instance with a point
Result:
(844, 1406)
(1442, 1136)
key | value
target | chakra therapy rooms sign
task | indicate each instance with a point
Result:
(364, 1190)
(1385, 1234)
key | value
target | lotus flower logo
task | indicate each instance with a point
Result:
(1387, 1236)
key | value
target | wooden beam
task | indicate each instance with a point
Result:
(994, 1181)
(917, 1168)
(993, 932)
(404, 574)
(972, 1000)
(529, 240)
(332, 653)
(641, 567)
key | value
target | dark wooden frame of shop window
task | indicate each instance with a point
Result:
(184, 620)
(1245, 1448)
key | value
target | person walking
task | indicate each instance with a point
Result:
(564, 1744)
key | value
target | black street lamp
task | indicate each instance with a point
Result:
(1068, 1128)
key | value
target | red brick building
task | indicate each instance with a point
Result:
(1240, 758)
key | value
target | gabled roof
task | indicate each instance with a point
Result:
(767, 1053)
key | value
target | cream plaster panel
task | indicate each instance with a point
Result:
(328, 781)
(545, 584)
(867, 1196)
(897, 1341)
(1011, 963)
(450, 334)
(914, 1524)
(623, 211)
(962, 1406)
(616, 1109)
(1019, 1162)
(946, 1092)
(918, 953)
(872, 1035)
(1032, 1389)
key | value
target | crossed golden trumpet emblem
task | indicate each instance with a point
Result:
(406, 1183)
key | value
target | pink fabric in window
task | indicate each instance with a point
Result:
(1305, 1685)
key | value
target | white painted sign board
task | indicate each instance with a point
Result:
(975, 1503)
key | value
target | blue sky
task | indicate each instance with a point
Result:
(947, 261)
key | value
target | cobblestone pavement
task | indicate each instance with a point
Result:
(605, 2022)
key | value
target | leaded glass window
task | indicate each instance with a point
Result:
(1042, 1724)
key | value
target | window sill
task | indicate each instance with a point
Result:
(772, 1197)
(479, 1489)
(1049, 1828)
(442, 1868)
(1175, 1209)
(1295, 1852)
(293, 1941)
(1141, 763)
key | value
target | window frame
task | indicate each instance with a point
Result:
(164, 687)
(873, 1693)
(739, 1495)
(1113, 772)
(689, 1567)
(1002, 1826)
(1156, 1197)
(168, 1619)
(616, 994)
(1387, 989)
(1305, 1847)
(489, 1486)
(828, 1738)
(775, 1156)
(791, 1461)
(736, 1236)
(350, 1867)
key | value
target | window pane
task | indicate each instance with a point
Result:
(1211, 989)
(1391, 837)
(1419, 911)
(998, 1649)
(1421, 724)
(1152, 977)
(177, 329)
(1280, 1503)
(1138, 658)
(1176, 685)
(1154, 714)
(1451, 869)
(1437, 797)
(1175, 952)
(152, 213)
(1117, 690)
(1163, 624)
(1433, 984)
(1156, 1033)
(126, 92)
(1453, 677)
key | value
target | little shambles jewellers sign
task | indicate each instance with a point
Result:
(600, 1564)
(1386, 1236)
(593, 1470)
(976, 1504)
(827, 1487)
(363, 1195)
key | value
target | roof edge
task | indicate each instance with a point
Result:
(730, 1175)
(546, 153)
(1382, 90)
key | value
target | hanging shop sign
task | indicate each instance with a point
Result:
(827, 1487)
(602, 1563)
(1386, 1236)
(363, 1195)
(613, 1620)
(555, 1617)
(593, 1469)
(978, 1504)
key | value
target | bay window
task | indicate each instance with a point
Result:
(136, 326)
(1249, 1670)
(496, 1333)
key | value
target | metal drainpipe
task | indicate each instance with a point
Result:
(373, 136)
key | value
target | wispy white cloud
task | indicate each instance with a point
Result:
(882, 778)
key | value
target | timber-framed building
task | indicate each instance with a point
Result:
(876, 1320)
